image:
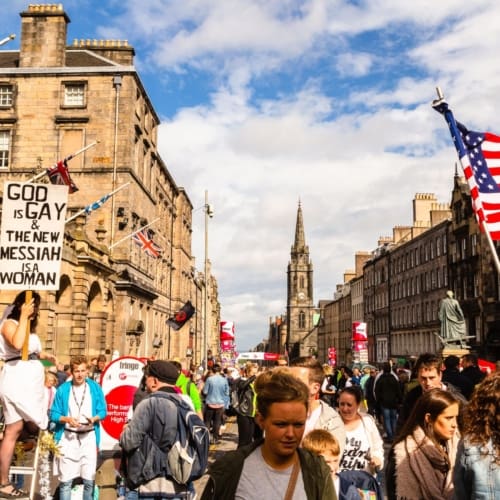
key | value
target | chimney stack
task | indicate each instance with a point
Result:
(43, 36)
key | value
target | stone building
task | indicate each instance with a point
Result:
(113, 298)
(402, 288)
(300, 328)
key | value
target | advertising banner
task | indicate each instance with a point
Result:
(267, 356)
(332, 356)
(226, 330)
(119, 381)
(359, 332)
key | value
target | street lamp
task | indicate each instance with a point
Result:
(7, 39)
(208, 213)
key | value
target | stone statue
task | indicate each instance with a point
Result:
(452, 319)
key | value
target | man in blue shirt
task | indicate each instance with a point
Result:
(216, 392)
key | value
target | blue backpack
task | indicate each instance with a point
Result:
(358, 485)
(187, 459)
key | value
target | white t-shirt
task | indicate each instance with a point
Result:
(7, 351)
(312, 419)
(259, 481)
(356, 447)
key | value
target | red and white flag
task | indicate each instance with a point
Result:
(59, 174)
(147, 244)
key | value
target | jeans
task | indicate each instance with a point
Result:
(65, 490)
(390, 418)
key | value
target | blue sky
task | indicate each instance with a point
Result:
(266, 102)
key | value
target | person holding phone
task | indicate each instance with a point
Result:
(78, 407)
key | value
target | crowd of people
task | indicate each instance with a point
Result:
(305, 431)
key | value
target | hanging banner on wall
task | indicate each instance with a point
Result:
(332, 356)
(226, 330)
(359, 331)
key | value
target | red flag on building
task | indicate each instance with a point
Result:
(59, 174)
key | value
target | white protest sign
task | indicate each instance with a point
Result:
(32, 234)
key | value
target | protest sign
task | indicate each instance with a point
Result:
(32, 234)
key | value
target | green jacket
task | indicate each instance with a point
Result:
(224, 475)
(184, 383)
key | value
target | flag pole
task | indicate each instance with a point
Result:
(132, 234)
(462, 152)
(70, 157)
(107, 196)
(24, 351)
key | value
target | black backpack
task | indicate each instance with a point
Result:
(242, 397)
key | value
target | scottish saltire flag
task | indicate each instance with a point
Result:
(147, 244)
(479, 154)
(97, 204)
(59, 174)
(182, 316)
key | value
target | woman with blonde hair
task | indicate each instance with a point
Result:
(422, 457)
(275, 466)
(477, 468)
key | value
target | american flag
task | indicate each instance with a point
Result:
(481, 164)
(59, 174)
(147, 244)
(479, 154)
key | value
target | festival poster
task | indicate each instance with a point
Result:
(119, 381)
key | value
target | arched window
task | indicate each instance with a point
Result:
(302, 319)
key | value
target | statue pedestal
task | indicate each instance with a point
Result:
(454, 351)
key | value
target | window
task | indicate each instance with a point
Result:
(6, 95)
(4, 148)
(302, 320)
(74, 94)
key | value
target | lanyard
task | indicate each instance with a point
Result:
(79, 404)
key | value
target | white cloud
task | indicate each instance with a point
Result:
(326, 101)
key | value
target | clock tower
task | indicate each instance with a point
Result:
(300, 307)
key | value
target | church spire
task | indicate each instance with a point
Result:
(300, 239)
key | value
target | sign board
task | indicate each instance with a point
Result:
(32, 234)
(226, 330)
(268, 356)
(119, 382)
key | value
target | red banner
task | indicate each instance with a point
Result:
(226, 330)
(359, 331)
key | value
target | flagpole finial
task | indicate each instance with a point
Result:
(440, 103)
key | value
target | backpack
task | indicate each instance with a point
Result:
(242, 397)
(187, 458)
(358, 484)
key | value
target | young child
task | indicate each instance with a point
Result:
(347, 485)
(322, 443)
